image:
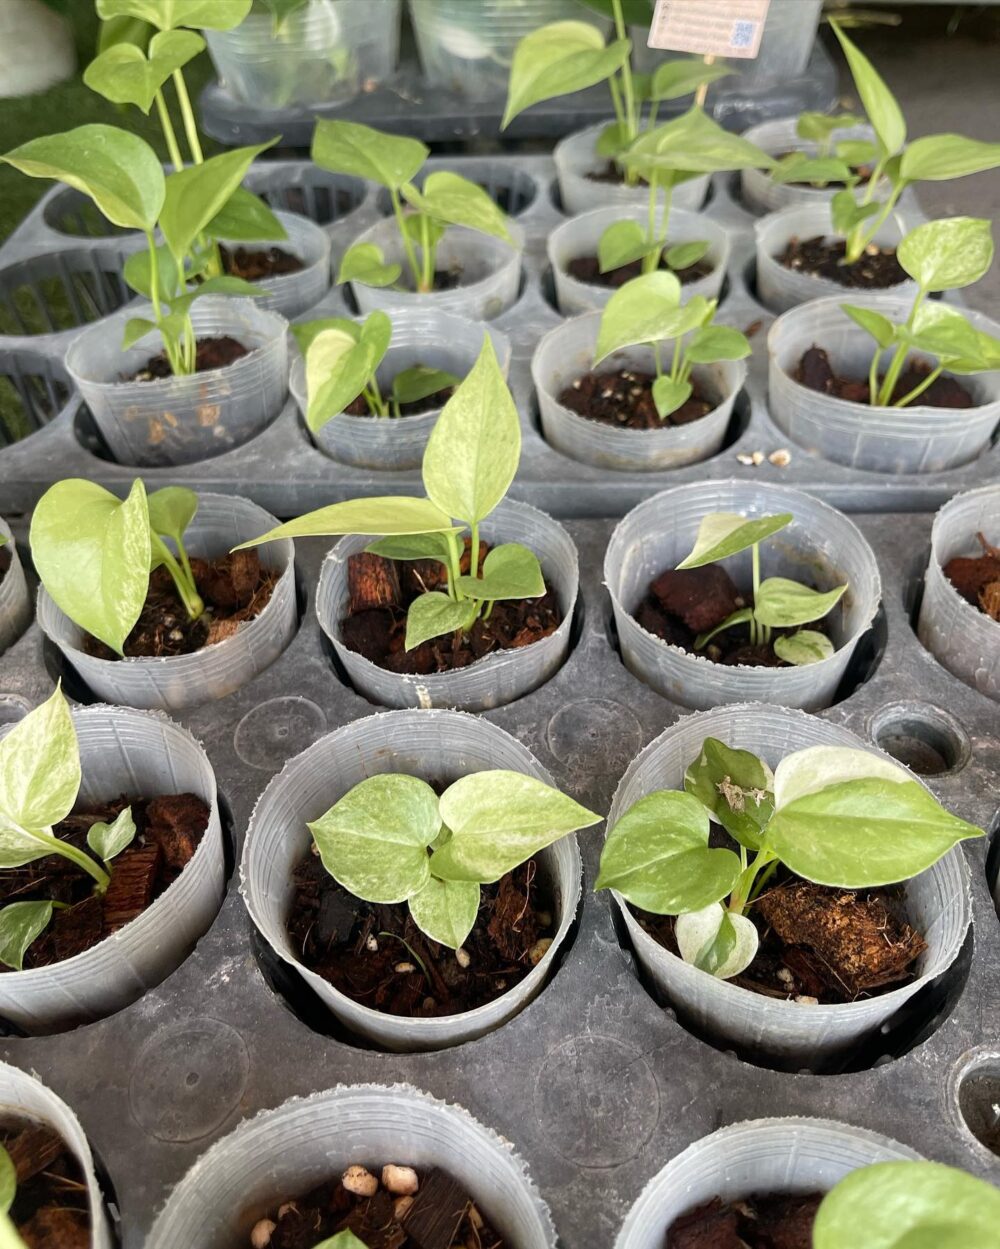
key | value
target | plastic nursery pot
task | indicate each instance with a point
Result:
(178, 681)
(326, 53)
(290, 294)
(961, 637)
(580, 237)
(438, 340)
(178, 420)
(567, 353)
(914, 439)
(24, 1097)
(15, 605)
(489, 269)
(938, 901)
(489, 682)
(780, 288)
(821, 547)
(139, 754)
(287, 1151)
(756, 1156)
(438, 746)
(758, 190)
(576, 157)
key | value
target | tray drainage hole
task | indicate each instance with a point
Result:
(923, 738)
(979, 1102)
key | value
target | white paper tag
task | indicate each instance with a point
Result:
(721, 28)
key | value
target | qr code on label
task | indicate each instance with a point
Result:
(743, 34)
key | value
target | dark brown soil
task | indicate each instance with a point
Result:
(761, 1221)
(624, 398)
(977, 579)
(235, 588)
(169, 829)
(607, 173)
(253, 264)
(358, 407)
(381, 590)
(877, 269)
(588, 269)
(51, 1209)
(376, 955)
(210, 353)
(440, 1215)
(816, 372)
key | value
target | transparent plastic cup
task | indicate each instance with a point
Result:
(758, 190)
(938, 901)
(15, 603)
(290, 294)
(567, 353)
(438, 746)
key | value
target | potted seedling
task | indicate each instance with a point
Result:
(666, 397)
(797, 806)
(371, 391)
(960, 610)
(877, 385)
(216, 371)
(467, 598)
(15, 606)
(453, 251)
(143, 598)
(84, 931)
(338, 1137)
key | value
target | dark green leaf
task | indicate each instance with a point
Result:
(735, 786)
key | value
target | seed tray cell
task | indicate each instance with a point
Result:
(284, 472)
(595, 1083)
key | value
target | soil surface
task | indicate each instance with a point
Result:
(210, 353)
(623, 398)
(439, 1215)
(358, 407)
(588, 269)
(254, 263)
(234, 588)
(381, 590)
(685, 602)
(816, 372)
(877, 269)
(761, 1221)
(977, 578)
(377, 956)
(51, 1209)
(169, 830)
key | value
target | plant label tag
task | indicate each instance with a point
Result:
(729, 28)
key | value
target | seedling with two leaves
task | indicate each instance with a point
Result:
(391, 839)
(832, 815)
(840, 161)
(444, 199)
(39, 784)
(342, 359)
(468, 465)
(648, 311)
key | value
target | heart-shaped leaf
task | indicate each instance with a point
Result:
(446, 910)
(413, 546)
(941, 157)
(784, 603)
(434, 614)
(873, 323)
(674, 79)
(338, 368)
(20, 924)
(557, 59)
(722, 534)
(510, 571)
(948, 254)
(735, 787)
(716, 940)
(349, 147)
(622, 243)
(365, 263)
(804, 647)
(449, 197)
(693, 144)
(717, 342)
(39, 779)
(169, 14)
(125, 74)
(245, 218)
(684, 255)
(645, 310)
(109, 840)
(197, 194)
(420, 382)
(669, 395)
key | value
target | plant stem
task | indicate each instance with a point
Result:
(176, 159)
(373, 397)
(899, 359)
(761, 881)
(454, 566)
(628, 86)
(187, 114)
(754, 635)
(188, 592)
(739, 899)
(616, 102)
(84, 861)
(427, 281)
(919, 389)
(474, 551)
(411, 255)
(185, 562)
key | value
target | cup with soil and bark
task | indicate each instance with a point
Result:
(818, 393)
(467, 1177)
(58, 1201)
(959, 620)
(833, 966)
(362, 601)
(605, 414)
(102, 951)
(780, 138)
(661, 611)
(582, 287)
(172, 661)
(150, 417)
(15, 604)
(800, 258)
(378, 973)
(751, 1185)
(293, 274)
(420, 338)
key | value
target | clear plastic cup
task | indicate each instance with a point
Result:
(290, 294)
(15, 603)
(758, 190)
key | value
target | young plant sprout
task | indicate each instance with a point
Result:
(10, 1237)
(342, 359)
(647, 311)
(94, 552)
(829, 814)
(778, 603)
(832, 162)
(391, 839)
(470, 461)
(939, 256)
(393, 162)
(39, 783)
